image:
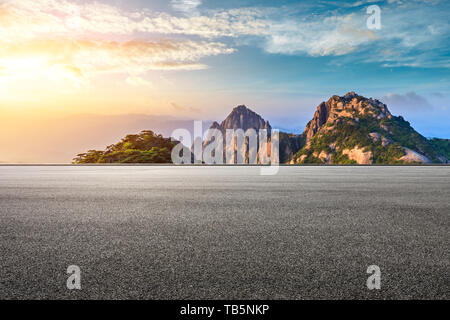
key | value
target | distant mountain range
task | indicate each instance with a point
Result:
(350, 129)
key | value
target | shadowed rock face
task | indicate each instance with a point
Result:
(240, 117)
(320, 118)
(243, 118)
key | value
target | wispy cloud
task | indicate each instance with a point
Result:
(188, 7)
(327, 35)
(82, 59)
(413, 2)
(409, 101)
(334, 35)
(178, 107)
(411, 35)
(30, 19)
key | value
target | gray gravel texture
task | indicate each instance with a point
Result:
(149, 232)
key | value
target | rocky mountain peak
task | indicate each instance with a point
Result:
(243, 118)
(241, 108)
(350, 95)
(350, 106)
(354, 129)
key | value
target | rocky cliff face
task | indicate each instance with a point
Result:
(345, 130)
(355, 129)
(349, 106)
(290, 144)
(243, 118)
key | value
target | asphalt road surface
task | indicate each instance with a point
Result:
(148, 232)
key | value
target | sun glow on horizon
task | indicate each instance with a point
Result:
(79, 56)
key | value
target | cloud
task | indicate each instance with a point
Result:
(415, 34)
(412, 2)
(437, 95)
(409, 101)
(138, 82)
(30, 19)
(188, 7)
(178, 107)
(362, 3)
(80, 59)
(335, 35)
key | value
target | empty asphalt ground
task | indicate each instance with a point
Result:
(151, 232)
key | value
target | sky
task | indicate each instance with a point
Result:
(197, 59)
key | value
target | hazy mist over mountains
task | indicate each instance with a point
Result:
(58, 140)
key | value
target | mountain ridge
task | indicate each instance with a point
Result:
(243, 118)
(354, 129)
(348, 129)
